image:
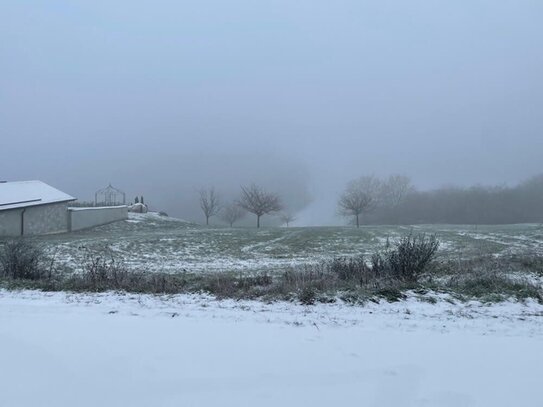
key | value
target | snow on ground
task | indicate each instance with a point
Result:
(157, 243)
(60, 349)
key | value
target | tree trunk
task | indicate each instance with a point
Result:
(207, 220)
(257, 221)
(357, 222)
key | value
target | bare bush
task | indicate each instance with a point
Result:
(350, 268)
(409, 258)
(316, 276)
(227, 285)
(24, 259)
(406, 261)
(104, 271)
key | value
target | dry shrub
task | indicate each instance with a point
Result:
(24, 259)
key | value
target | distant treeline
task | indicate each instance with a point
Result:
(474, 205)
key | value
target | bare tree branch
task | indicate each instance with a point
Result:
(232, 213)
(360, 196)
(287, 218)
(209, 203)
(395, 189)
(259, 202)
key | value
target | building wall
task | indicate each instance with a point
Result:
(44, 219)
(57, 218)
(38, 220)
(83, 218)
(10, 222)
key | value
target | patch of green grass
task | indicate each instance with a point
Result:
(425, 298)
(391, 294)
(494, 287)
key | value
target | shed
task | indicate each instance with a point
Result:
(32, 208)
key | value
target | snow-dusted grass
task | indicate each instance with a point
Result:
(139, 350)
(429, 349)
(154, 243)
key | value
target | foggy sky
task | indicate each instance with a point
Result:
(162, 97)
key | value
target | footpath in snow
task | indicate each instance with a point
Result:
(60, 349)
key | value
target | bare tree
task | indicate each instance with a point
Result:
(360, 196)
(395, 189)
(209, 202)
(255, 200)
(287, 217)
(232, 213)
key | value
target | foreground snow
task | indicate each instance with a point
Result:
(130, 350)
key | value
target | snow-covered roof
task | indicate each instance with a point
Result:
(21, 194)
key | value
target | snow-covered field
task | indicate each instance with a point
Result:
(138, 350)
(153, 243)
(65, 349)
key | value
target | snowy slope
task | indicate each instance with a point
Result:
(129, 350)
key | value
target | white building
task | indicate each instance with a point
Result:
(32, 208)
(35, 208)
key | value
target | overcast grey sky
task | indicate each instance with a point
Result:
(160, 97)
